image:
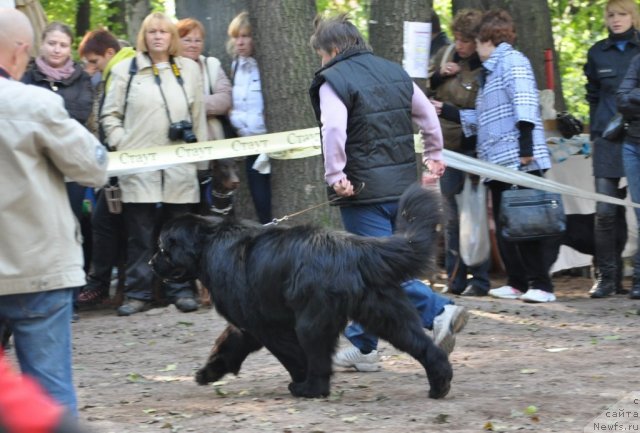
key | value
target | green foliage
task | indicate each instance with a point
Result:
(358, 11)
(576, 25)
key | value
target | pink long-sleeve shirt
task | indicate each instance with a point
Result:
(333, 115)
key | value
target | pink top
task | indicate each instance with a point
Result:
(334, 130)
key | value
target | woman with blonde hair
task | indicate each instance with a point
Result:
(154, 99)
(607, 63)
(247, 114)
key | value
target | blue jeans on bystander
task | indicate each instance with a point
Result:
(41, 325)
(378, 220)
(631, 160)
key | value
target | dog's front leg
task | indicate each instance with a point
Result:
(227, 355)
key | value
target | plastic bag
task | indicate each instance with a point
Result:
(475, 245)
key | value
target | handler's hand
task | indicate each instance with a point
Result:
(436, 168)
(526, 160)
(343, 187)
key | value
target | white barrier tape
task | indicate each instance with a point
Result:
(496, 172)
(303, 143)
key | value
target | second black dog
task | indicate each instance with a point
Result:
(292, 290)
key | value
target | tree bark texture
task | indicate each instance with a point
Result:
(137, 11)
(534, 35)
(118, 19)
(281, 32)
(215, 16)
(83, 17)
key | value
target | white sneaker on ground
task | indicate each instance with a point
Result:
(352, 357)
(537, 295)
(447, 324)
(505, 292)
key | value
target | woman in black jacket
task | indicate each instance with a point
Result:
(628, 99)
(54, 69)
(607, 63)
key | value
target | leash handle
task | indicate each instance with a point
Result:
(276, 221)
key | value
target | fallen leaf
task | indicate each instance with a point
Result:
(612, 337)
(350, 419)
(170, 367)
(488, 426)
(441, 418)
(149, 410)
(530, 410)
(528, 371)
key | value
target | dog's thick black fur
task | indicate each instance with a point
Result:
(292, 290)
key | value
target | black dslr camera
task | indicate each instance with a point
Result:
(182, 130)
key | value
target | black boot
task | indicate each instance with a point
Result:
(606, 261)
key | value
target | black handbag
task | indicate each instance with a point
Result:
(568, 125)
(531, 214)
(615, 129)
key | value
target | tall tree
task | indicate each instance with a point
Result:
(137, 10)
(279, 28)
(118, 17)
(533, 26)
(284, 27)
(386, 26)
(83, 17)
(215, 16)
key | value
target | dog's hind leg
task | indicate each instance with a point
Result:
(227, 355)
(395, 319)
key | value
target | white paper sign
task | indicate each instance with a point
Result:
(416, 45)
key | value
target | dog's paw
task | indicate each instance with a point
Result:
(302, 389)
(201, 377)
(439, 373)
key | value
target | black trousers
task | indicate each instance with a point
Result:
(527, 263)
(143, 222)
(109, 243)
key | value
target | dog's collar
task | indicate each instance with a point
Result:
(224, 211)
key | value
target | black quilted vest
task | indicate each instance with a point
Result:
(380, 144)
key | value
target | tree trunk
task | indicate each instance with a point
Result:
(386, 26)
(83, 17)
(533, 27)
(281, 32)
(118, 19)
(137, 11)
(215, 16)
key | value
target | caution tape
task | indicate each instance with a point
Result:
(303, 143)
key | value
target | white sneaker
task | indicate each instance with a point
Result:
(537, 295)
(447, 324)
(352, 357)
(505, 292)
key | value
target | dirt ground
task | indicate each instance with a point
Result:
(517, 367)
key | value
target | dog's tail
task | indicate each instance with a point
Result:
(410, 252)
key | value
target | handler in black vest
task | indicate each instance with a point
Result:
(365, 106)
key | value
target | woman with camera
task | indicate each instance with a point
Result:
(155, 99)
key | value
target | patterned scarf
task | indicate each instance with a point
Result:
(55, 74)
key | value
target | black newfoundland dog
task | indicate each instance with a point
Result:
(292, 290)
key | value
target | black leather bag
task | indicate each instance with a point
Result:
(568, 125)
(615, 129)
(531, 214)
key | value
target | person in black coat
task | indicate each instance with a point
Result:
(607, 63)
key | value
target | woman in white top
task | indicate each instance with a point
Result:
(247, 114)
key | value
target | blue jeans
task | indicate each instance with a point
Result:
(378, 220)
(631, 160)
(41, 325)
(451, 184)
